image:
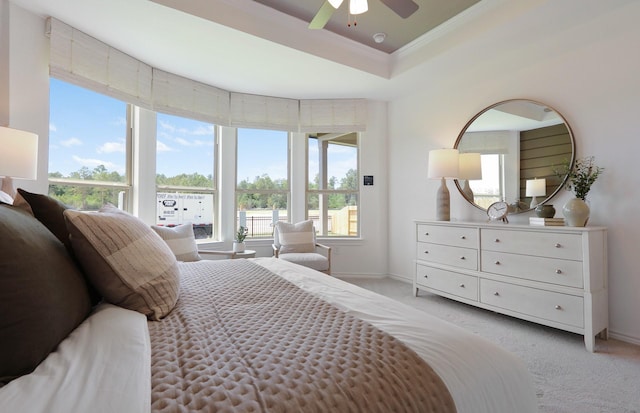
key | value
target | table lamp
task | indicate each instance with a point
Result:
(18, 157)
(470, 168)
(534, 189)
(443, 163)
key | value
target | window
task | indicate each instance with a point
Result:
(333, 184)
(89, 148)
(490, 188)
(185, 174)
(262, 183)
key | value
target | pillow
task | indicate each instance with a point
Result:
(43, 296)
(296, 237)
(128, 263)
(47, 210)
(181, 240)
(50, 212)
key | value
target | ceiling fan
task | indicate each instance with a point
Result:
(403, 8)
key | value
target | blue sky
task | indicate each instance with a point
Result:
(89, 129)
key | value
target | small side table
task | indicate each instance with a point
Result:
(228, 254)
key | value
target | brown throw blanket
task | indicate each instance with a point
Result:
(243, 339)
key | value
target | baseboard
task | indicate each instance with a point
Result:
(357, 275)
(624, 337)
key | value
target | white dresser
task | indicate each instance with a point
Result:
(556, 276)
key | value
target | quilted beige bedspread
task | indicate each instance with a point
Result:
(243, 339)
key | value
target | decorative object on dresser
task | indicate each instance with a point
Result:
(18, 158)
(546, 221)
(470, 168)
(443, 164)
(498, 211)
(556, 276)
(545, 211)
(581, 174)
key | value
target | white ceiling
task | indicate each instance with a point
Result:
(245, 46)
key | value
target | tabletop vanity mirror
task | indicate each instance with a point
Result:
(516, 145)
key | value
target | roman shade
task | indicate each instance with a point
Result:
(264, 112)
(333, 115)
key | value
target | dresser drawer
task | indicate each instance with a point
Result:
(547, 270)
(466, 237)
(444, 254)
(461, 285)
(557, 307)
(544, 244)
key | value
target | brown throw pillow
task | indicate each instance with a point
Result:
(43, 295)
(296, 237)
(181, 240)
(50, 212)
(47, 210)
(128, 263)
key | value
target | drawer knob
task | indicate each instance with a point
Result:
(426, 233)
(558, 271)
(496, 293)
(496, 240)
(497, 262)
(558, 307)
(463, 258)
(426, 276)
(557, 245)
(463, 237)
(461, 285)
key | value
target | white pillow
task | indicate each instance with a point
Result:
(296, 237)
(180, 240)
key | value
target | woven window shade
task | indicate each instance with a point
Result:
(264, 112)
(489, 142)
(80, 59)
(333, 115)
(177, 95)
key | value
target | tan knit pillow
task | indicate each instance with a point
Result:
(296, 237)
(126, 261)
(180, 240)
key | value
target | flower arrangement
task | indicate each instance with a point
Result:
(241, 234)
(580, 176)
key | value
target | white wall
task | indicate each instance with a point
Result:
(580, 57)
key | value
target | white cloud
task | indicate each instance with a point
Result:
(52, 127)
(112, 147)
(163, 147)
(92, 163)
(71, 142)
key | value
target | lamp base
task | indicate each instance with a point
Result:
(7, 186)
(443, 202)
(466, 190)
(534, 202)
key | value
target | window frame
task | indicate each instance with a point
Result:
(322, 229)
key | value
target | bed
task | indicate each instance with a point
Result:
(256, 334)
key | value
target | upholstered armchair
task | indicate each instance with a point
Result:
(297, 243)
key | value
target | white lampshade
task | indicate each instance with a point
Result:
(335, 3)
(470, 166)
(536, 187)
(18, 153)
(358, 6)
(443, 163)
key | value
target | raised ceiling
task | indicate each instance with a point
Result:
(378, 19)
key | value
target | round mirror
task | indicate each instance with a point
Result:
(510, 151)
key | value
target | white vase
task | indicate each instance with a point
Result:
(238, 246)
(576, 212)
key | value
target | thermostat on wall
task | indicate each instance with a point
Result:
(368, 179)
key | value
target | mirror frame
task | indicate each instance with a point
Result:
(488, 108)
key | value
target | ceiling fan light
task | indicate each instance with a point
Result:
(358, 6)
(335, 3)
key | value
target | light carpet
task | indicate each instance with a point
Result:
(568, 378)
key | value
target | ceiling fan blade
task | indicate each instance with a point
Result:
(322, 16)
(403, 8)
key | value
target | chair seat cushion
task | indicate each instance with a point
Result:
(312, 260)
